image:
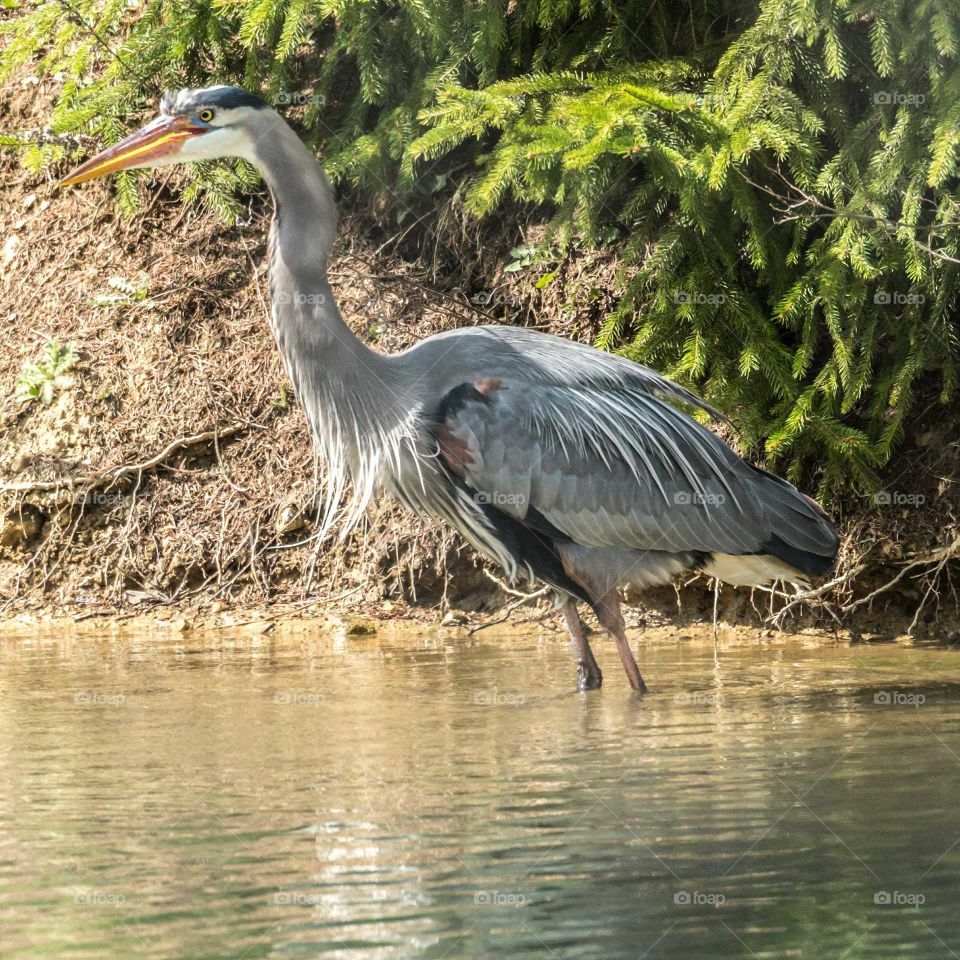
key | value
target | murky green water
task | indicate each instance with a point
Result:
(421, 797)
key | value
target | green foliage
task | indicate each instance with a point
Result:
(123, 293)
(780, 178)
(41, 378)
(789, 224)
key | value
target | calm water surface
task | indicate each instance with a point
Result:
(417, 796)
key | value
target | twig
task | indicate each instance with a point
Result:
(789, 212)
(109, 477)
(511, 591)
(286, 611)
(74, 14)
(502, 619)
(716, 600)
(809, 595)
(522, 599)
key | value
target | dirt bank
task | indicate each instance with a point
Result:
(172, 470)
(298, 622)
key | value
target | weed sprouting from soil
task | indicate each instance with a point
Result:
(41, 378)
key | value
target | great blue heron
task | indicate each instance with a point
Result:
(562, 463)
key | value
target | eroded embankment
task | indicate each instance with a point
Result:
(172, 470)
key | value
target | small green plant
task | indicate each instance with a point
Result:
(126, 293)
(523, 257)
(40, 379)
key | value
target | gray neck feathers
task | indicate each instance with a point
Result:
(352, 395)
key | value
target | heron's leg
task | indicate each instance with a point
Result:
(611, 619)
(588, 672)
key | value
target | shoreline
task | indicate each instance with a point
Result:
(455, 626)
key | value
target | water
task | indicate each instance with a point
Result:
(417, 796)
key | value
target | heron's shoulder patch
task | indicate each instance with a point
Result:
(488, 386)
(456, 400)
(452, 422)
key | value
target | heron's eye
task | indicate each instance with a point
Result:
(206, 115)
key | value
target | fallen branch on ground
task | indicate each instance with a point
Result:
(937, 559)
(816, 595)
(109, 477)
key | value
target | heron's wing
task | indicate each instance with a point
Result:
(618, 466)
(544, 358)
(541, 358)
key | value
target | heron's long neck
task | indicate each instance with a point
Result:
(308, 324)
(349, 392)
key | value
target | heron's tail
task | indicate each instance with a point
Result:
(801, 542)
(802, 535)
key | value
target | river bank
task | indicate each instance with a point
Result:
(533, 618)
(170, 471)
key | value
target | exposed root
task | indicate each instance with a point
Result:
(934, 566)
(816, 597)
(105, 479)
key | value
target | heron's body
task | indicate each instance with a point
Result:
(559, 462)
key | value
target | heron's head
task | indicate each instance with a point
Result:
(201, 124)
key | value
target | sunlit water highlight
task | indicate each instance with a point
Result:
(422, 796)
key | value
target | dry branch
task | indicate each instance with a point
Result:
(107, 478)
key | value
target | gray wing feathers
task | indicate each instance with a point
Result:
(619, 467)
(577, 363)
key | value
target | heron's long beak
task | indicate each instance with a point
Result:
(160, 138)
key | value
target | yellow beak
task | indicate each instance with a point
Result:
(162, 137)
